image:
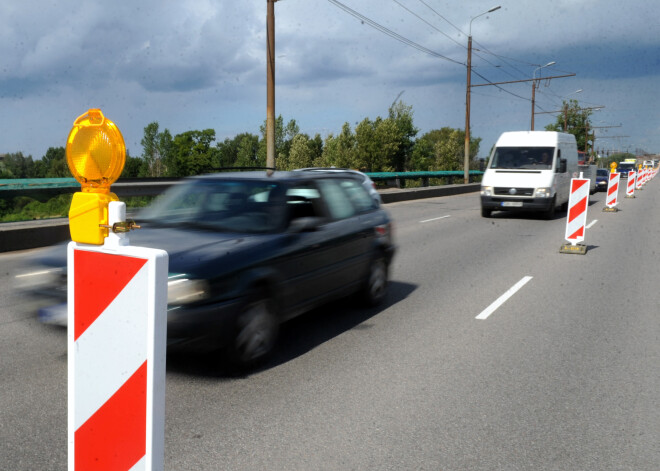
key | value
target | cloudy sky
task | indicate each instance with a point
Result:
(199, 64)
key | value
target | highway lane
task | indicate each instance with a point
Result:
(562, 375)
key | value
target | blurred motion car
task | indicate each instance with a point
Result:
(248, 251)
(602, 179)
(367, 182)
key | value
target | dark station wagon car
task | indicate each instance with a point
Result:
(248, 251)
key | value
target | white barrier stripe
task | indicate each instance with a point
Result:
(101, 367)
(502, 299)
(141, 465)
(591, 224)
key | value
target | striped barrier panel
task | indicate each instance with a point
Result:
(630, 187)
(116, 356)
(576, 217)
(612, 190)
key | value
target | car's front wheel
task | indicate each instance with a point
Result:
(256, 332)
(375, 285)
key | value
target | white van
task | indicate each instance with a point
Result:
(529, 171)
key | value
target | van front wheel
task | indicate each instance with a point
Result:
(485, 212)
(550, 212)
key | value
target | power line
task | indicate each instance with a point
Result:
(430, 8)
(432, 26)
(391, 33)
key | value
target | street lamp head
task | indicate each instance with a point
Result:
(494, 8)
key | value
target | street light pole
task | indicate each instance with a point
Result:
(466, 161)
(534, 88)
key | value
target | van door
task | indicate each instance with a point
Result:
(562, 180)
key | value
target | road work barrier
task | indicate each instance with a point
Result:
(630, 187)
(612, 192)
(640, 179)
(116, 316)
(576, 217)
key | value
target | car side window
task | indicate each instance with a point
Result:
(336, 198)
(303, 201)
(358, 195)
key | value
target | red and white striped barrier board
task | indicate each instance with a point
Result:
(613, 190)
(116, 342)
(576, 217)
(630, 188)
(640, 178)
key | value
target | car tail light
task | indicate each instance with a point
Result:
(384, 231)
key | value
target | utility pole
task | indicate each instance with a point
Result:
(270, 79)
(466, 160)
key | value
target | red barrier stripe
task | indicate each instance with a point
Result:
(613, 189)
(98, 279)
(577, 209)
(576, 184)
(578, 233)
(115, 437)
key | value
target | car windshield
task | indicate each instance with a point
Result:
(531, 158)
(602, 172)
(242, 206)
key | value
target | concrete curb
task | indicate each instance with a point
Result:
(33, 234)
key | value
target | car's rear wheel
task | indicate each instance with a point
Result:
(256, 332)
(375, 285)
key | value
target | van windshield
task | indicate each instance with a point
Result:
(531, 158)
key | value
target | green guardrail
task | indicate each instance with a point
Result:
(399, 178)
(37, 183)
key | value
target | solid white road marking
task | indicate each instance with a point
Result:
(434, 219)
(502, 299)
(592, 223)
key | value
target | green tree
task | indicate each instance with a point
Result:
(133, 167)
(402, 116)
(340, 151)
(574, 120)
(300, 154)
(247, 152)
(157, 150)
(191, 153)
(449, 152)
(53, 164)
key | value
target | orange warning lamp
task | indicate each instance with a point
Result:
(613, 167)
(95, 153)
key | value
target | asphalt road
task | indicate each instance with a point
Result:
(562, 375)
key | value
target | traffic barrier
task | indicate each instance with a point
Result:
(612, 192)
(576, 217)
(116, 342)
(630, 187)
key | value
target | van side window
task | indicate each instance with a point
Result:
(558, 161)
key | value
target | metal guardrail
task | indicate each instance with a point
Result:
(399, 178)
(41, 188)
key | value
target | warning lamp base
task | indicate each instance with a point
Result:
(87, 216)
(630, 196)
(608, 209)
(579, 249)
